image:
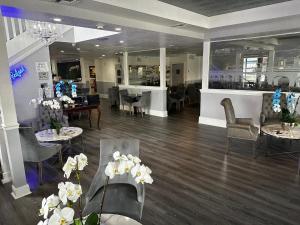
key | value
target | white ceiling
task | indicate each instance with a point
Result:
(217, 7)
(134, 40)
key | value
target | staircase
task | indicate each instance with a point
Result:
(18, 41)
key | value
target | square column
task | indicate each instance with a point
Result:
(125, 68)
(162, 67)
(10, 126)
(205, 65)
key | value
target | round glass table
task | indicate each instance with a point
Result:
(66, 135)
(277, 131)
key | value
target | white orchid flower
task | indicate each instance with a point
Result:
(111, 170)
(125, 166)
(69, 166)
(81, 160)
(43, 222)
(69, 191)
(62, 217)
(135, 159)
(49, 205)
(142, 174)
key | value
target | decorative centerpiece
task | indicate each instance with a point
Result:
(69, 196)
(288, 113)
(66, 101)
(51, 107)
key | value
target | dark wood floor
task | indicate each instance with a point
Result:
(194, 182)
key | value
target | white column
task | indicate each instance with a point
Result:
(125, 68)
(6, 175)
(10, 125)
(162, 67)
(205, 65)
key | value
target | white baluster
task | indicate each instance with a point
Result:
(13, 24)
(6, 28)
(20, 26)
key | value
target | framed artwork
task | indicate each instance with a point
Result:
(92, 71)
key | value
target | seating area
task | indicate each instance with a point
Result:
(149, 112)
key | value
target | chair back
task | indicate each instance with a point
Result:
(107, 148)
(29, 145)
(229, 110)
(123, 93)
(93, 100)
(146, 99)
(267, 107)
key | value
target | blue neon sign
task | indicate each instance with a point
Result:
(17, 72)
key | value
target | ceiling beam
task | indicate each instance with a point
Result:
(36, 9)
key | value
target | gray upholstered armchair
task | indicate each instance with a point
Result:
(239, 128)
(144, 102)
(267, 115)
(36, 152)
(123, 195)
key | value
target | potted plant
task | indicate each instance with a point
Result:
(288, 113)
(62, 206)
(51, 107)
(66, 101)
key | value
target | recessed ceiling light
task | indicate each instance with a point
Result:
(62, 51)
(118, 29)
(103, 55)
(171, 45)
(56, 19)
(97, 45)
(121, 41)
(78, 49)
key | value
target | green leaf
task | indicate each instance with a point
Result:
(92, 219)
(77, 222)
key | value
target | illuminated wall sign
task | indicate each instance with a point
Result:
(17, 72)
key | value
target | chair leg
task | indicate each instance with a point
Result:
(228, 146)
(61, 158)
(299, 166)
(254, 149)
(40, 170)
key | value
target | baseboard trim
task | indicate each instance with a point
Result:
(20, 191)
(158, 113)
(6, 178)
(212, 121)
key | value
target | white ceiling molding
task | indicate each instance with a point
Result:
(161, 9)
(153, 15)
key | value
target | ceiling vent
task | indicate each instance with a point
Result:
(68, 2)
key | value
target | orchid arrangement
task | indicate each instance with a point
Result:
(62, 206)
(288, 113)
(66, 99)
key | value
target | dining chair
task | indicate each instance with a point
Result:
(143, 103)
(123, 195)
(239, 128)
(36, 152)
(125, 100)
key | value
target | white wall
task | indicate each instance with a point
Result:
(28, 86)
(85, 63)
(194, 68)
(105, 69)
